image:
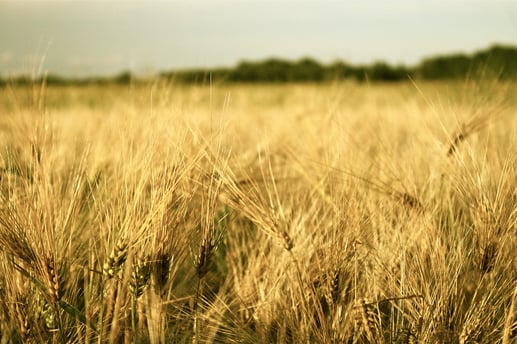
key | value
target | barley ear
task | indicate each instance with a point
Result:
(366, 318)
(160, 271)
(140, 276)
(116, 258)
(20, 308)
(51, 272)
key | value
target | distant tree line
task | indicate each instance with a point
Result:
(498, 62)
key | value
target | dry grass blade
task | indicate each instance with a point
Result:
(404, 198)
(14, 240)
(510, 324)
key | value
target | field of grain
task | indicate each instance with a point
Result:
(302, 213)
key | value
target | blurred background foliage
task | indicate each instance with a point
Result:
(496, 62)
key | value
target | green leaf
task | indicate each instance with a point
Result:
(76, 314)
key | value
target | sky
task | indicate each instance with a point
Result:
(104, 37)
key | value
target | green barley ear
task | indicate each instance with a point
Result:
(140, 276)
(49, 316)
(116, 258)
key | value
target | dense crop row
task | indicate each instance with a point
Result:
(341, 213)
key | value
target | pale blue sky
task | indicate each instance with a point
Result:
(97, 37)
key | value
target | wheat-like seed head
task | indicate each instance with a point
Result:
(49, 315)
(160, 271)
(202, 259)
(20, 308)
(366, 318)
(470, 331)
(416, 328)
(288, 242)
(334, 289)
(488, 256)
(405, 336)
(409, 335)
(51, 272)
(116, 258)
(140, 276)
(408, 200)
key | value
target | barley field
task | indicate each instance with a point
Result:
(297, 213)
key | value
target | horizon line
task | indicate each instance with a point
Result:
(150, 72)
